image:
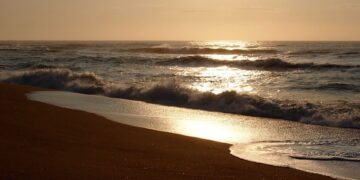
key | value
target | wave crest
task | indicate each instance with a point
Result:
(60, 79)
(164, 50)
(312, 52)
(265, 64)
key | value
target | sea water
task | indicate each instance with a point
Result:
(314, 83)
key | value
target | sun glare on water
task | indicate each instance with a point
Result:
(211, 129)
(229, 45)
(223, 78)
(227, 57)
(220, 79)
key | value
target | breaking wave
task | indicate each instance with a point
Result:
(340, 54)
(59, 79)
(338, 115)
(164, 50)
(266, 64)
(312, 52)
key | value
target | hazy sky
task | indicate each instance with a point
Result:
(179, 19)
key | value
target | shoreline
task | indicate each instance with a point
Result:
(45, 141)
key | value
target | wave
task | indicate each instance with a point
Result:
(171, 93)
(15, 49)
(163, 50)
(324, 150)
(59, 79)
(34, 66)
(320, 150)
(321, 158)
(311, 52)
(331, 86)
(350, 53)
(340, 86)
(23, 48)
(265, 64)
(339, 54)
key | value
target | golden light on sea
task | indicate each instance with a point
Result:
(229, 45)
(211, 129)
(229, 57)
(220, 79)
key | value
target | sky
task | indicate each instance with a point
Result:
(325, 20)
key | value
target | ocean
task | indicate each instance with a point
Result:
(296, 104)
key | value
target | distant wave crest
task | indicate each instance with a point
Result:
(312, 52)
(266, 64)
(164, 50)
(321, 52)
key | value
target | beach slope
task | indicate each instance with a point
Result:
(40, 141)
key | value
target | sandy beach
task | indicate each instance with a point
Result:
(40, 141)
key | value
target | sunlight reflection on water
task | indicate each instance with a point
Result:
(227, 57)
(230, 45)
(221, 79)
(211, 129)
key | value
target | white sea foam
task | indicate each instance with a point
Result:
(329, 157)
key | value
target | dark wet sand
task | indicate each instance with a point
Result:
(40, 141)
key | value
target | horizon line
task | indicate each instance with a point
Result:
(124, 40)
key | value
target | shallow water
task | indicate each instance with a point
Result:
(324, 150)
